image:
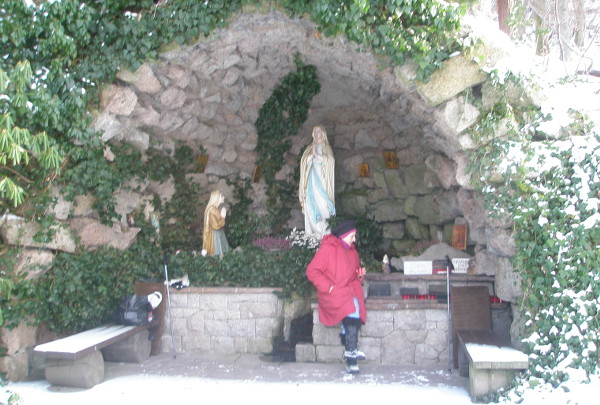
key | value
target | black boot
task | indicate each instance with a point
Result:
(352, 366)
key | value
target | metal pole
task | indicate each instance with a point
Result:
(449, 266)
(165, 259)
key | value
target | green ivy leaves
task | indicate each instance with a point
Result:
(73, 48)
(556, 238)
(421, 30)
(249, 267)
(279, 118)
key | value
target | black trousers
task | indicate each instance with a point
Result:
(352, 327)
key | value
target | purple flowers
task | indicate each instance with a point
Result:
(272, 243)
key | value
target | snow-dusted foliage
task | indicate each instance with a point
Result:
(551, 188)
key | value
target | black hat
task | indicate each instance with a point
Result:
(344, 227)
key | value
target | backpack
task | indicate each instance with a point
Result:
(134, 310)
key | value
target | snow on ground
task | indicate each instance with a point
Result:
(569, 394)
(152, 389)
(182, 390)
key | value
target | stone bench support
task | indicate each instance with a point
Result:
(492, 363)
(84, 372)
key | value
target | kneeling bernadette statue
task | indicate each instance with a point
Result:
(336, 274)
(316, 188)
(214, 241)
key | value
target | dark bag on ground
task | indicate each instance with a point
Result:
(134, 310)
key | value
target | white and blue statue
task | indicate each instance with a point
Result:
(316, 189)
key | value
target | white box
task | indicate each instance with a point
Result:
(418, 267)
(460, 265)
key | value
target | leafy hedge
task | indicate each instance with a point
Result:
(550, 188)
(70, 297)
(248, 267)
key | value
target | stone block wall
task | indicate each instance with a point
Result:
(224, 320)
(395, 333)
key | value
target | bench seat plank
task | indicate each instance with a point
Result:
(81, 344)
(494, 357)
(486, 350)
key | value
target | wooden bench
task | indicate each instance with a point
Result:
(489, 361)
(78, 360)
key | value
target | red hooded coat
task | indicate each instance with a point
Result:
(334, 265)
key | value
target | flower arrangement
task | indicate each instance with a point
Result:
(272, 243)
(300, 239)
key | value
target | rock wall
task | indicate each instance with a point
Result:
(208, 95)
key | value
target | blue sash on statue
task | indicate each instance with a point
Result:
(315, 191)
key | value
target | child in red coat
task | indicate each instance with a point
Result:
(336, 273)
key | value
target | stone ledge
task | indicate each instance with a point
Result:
(226, 290)
(428, 277)
(393, 303)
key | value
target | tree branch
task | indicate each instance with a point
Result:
(16, 173)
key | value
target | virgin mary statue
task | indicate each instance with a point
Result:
(317, 184)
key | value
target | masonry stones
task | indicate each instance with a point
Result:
(207, 96)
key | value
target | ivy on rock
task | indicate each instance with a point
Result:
(279, 118)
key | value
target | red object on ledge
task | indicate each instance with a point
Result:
(418, 297)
